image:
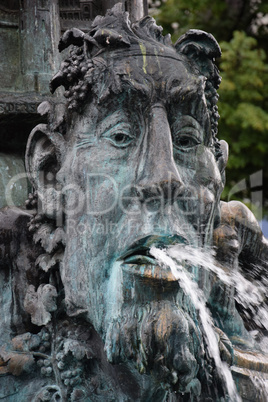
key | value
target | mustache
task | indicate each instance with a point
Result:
(138, 231)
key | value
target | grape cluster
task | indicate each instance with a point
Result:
(46, 367)
(36, 219)
(73, 71)
(35, 222)
(31, 202)
(45, 346)
(45, 341)
(71, 371)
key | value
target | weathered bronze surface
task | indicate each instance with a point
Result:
(129, 162)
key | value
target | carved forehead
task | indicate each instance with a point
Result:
(149, 74)
(152, 62)
(134, 81)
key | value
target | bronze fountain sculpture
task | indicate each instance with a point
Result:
(131, 162)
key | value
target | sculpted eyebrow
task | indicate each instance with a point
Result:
(133, 84)
(189, 90)
(110, 122)
(137, 84)
(188, 121)
(180, 92)
(104, 125)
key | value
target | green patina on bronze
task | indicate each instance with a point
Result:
(131, 161)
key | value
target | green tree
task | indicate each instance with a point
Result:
(221, 18)
(243, 107)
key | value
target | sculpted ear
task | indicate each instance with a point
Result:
(222, 162)
(202, 49)
(223, 159)
(43, 160)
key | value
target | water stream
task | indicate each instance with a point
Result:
(262, 386)
(249, 295)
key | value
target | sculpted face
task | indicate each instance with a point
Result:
(140, 169)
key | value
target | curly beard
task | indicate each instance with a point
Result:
(160, 339)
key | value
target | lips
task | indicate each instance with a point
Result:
(137, 259)
(138, 255)
(139, 252)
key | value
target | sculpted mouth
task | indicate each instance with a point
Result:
(139, 252)
(138, 256)
(138, 260)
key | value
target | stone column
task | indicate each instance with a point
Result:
(39, 34)
(136, 8)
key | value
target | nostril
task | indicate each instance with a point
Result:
(164, 190)
(172, 190)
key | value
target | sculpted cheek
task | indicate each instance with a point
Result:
(207, 173)
(207, 199)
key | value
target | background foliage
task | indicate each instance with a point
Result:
(241, 28)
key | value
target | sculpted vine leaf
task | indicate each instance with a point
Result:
(43, 234)
(39, 304)
(15, 363)
(47, 261)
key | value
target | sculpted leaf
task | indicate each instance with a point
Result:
(46, 261)
(42, 234)
(15, 363)
(49, 237)
(26, 342)
(20, 363)
(39, 304)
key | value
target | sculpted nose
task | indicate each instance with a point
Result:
(159, 172)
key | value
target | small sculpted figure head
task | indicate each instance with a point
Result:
(134, 162)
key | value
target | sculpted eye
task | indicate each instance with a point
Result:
(186, 140)
(120, 139)
(119, 135)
